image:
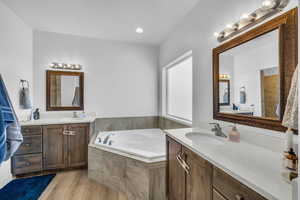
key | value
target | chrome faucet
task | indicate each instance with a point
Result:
(218, 130)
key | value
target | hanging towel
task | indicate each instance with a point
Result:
(76, 98)
(290, 118)
(24, 93)
(10, 131)
(14, 139)
(226, 96)
(242, 95)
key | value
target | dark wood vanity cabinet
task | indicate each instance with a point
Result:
(51, 147)
(175, 172)
(77, 145)
(29, 156)
(190, 177)
(65, 146)
(55, 147)
(198, 177)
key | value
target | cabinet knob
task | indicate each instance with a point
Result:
(27, 163)
(239, 197)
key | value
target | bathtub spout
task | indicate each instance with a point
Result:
(107, 138)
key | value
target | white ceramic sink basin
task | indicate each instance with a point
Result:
(71, 119)
(200, 138)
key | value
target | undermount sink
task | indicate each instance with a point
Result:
(71, 119)
(200, 138)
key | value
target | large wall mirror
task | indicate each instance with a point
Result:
(64, 90)
(253, 72)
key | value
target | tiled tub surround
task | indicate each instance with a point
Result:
(257, 167)
(131, 123)
(130, 166)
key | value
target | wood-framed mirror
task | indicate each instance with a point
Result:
(259, 65)
(64, 90)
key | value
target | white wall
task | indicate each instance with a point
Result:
(247, 66)
(120, 78)
(16, 63)
(195, 33)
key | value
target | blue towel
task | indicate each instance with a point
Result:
(9, 126)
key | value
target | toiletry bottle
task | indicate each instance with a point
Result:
(291, 160)
(36, 114)
(288, 144)
(234, 135)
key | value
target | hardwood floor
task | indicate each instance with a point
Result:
(75, 185)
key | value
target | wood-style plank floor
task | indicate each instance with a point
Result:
(75, 185)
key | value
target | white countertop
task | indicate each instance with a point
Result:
(257, 167)
(49, 121)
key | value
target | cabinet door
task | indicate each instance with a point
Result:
(199, 178)
(77, 145)
(54, 147)
(175, 172)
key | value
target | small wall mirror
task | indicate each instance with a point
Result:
(64, 90)
(253, 72)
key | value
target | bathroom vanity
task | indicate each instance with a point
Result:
(212, 168)
(50, 146)
(199, 179)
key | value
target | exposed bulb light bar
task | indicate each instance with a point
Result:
(56, 65)
(139, 30)
(268, 8)
(224, 76)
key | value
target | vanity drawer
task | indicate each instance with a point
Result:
(31, 130)
(231, 188)
(27, 163)
(31, 144)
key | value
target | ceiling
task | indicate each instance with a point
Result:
(105, 19)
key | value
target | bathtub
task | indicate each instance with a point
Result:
(130, 161)
(147, 145)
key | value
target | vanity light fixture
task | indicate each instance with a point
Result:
(224, 76)
(55, 65)
(247, 20)
(139, 30)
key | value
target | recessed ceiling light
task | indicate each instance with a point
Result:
(139, 30)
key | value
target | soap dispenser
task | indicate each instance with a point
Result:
(36, 114)
(234, 135)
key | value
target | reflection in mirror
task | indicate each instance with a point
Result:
(64, 91)
(252, 69)
(224, 92)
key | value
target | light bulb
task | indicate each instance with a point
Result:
(268, 4)
(245, 16)
(139, 30)
(230, 26)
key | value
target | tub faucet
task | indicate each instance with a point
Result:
(107, 138)
(218, 130)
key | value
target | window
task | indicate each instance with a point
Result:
(179, 88)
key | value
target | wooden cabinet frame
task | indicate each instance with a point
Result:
(50, 73)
